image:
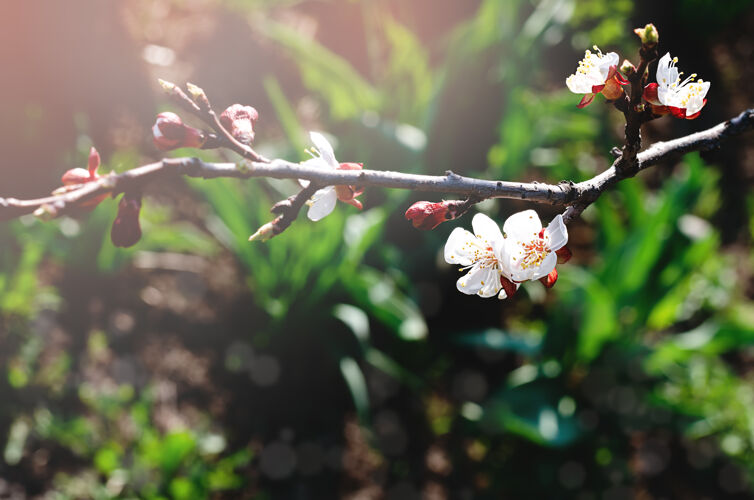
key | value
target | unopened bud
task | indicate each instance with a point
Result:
(264, 233)
(126, 230)
(627, 68)
(46, 212)
(425, 215)
(239, 121)
(169, 132)
(166, 85)
(197, 93)
(75, 176)
(648, 34)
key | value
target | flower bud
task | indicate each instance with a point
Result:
(169, 132)
(239, 121)
(77, 176)
(264, 233)
(126, 230)
(197, 93)
(627, 68)
(648, 34)
(425, 215)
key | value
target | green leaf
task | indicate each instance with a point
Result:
(357, 386)
(325, 72)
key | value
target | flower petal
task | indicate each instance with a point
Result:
(557, 233)
(482, 281)
(324, 148)
(486, 229)
(522, 225)
(460, 247)
(546, 267)
(666, 74)
(322, 203)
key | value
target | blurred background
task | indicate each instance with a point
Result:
(338, 360)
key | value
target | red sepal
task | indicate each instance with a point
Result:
(564, 255)
(677, 112)
(348, 194)
(509, 287)
(549, 280)
(650, 94)
(585, 101)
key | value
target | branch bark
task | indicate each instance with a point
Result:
(576, 196)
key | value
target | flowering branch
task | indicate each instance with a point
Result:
(576, 195)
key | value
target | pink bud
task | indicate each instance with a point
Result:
(239, 121)
(93, 162)
(169, 132)
(75, 176)
(425, 215)
(126, 230)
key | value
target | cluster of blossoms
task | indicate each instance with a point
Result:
(498, 262)
(598, 73)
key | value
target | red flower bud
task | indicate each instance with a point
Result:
(425, 215)
(169, 132)
(239, 121)
(81, 176)
(126, 230)
(549, 280)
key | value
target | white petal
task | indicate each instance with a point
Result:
(606, 61)
(323, 202)
(324, 148)
(546, 267)
(522, 225)
(579, 84)
(557, 233)
(667, 73)
(460, 247)
(486, 229)
(480, 281)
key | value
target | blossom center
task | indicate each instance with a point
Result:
(534, 252)
(482, 254)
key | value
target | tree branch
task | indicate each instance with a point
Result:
(577, 196)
